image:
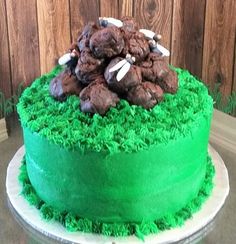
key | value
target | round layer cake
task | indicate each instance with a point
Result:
(129, 166)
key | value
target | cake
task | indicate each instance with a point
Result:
(116, 139)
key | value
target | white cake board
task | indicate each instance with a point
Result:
(54, 230)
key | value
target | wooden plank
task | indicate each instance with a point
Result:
(125, 8)
(187, 35)
(5, 78)
(54, 31)
(3, 130)
(219, 40)
(109, 8)
(223, 130)
(234, 71)
(23, 41)
(82, 12)
(155, 15)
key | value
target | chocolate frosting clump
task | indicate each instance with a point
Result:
(97, 98)
(170, 82)
(64, 84)
(154, 68)
(88, 67)
(107, 42)
(147, 95)
(136, 44)
(84, 37)
(131, 79)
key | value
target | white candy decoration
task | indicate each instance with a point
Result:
(155, 46)
(162, 50)
(148, 33)
(123, 66)
(123, 71)
(111, 21)
(64, 59)
(118, 65)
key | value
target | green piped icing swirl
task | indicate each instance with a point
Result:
(74, 223)
(125, 128)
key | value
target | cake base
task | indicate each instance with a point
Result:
(193, 228)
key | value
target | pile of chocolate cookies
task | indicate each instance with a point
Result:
(99, 48)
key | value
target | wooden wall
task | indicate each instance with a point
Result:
(199, 33)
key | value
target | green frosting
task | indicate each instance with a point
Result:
(76, 223)
(128, 172)
(122, 186)
(124, 128)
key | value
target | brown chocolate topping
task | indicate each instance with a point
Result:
(88, 67)
(146, 94)
(97, 98)
(154, 68)
(97, 50)
(107, 42)
(65, 84)
(131, 79)
(88, 31)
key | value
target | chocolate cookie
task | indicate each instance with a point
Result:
(88, 67)
(64, 84)
(97, 98)
(170, 82)
(136, 45)
(84, 37)
(107, 42)
(154, 68)
(146, 94)
(131, 79)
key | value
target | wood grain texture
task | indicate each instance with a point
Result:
(155, 15)
(187, 35)
(234, 71)
(219, 41)
(81, 12)
(5, 77)
(125, 8)
(54, 31)
(23, 41)
(109, 8)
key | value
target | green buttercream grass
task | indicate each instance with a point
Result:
(75, 223)
(124, 128)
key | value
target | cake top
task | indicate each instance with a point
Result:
(124, 128)
(112, 60)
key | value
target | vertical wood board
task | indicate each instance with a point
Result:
(5, 77)
(23, 41)
(218, 54)
(81, 12)
(187, 35)
(54, 31)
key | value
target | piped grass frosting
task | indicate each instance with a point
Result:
(75, 223)
(125, 128)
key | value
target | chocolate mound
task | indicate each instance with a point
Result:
(107, 42)
(108, 63)
(147, 95)
(136, 44)
(88, 67)
(131, 79)
(97, 98)
(154, 68)
(88, 31)
(64, 84)
(170, 83)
